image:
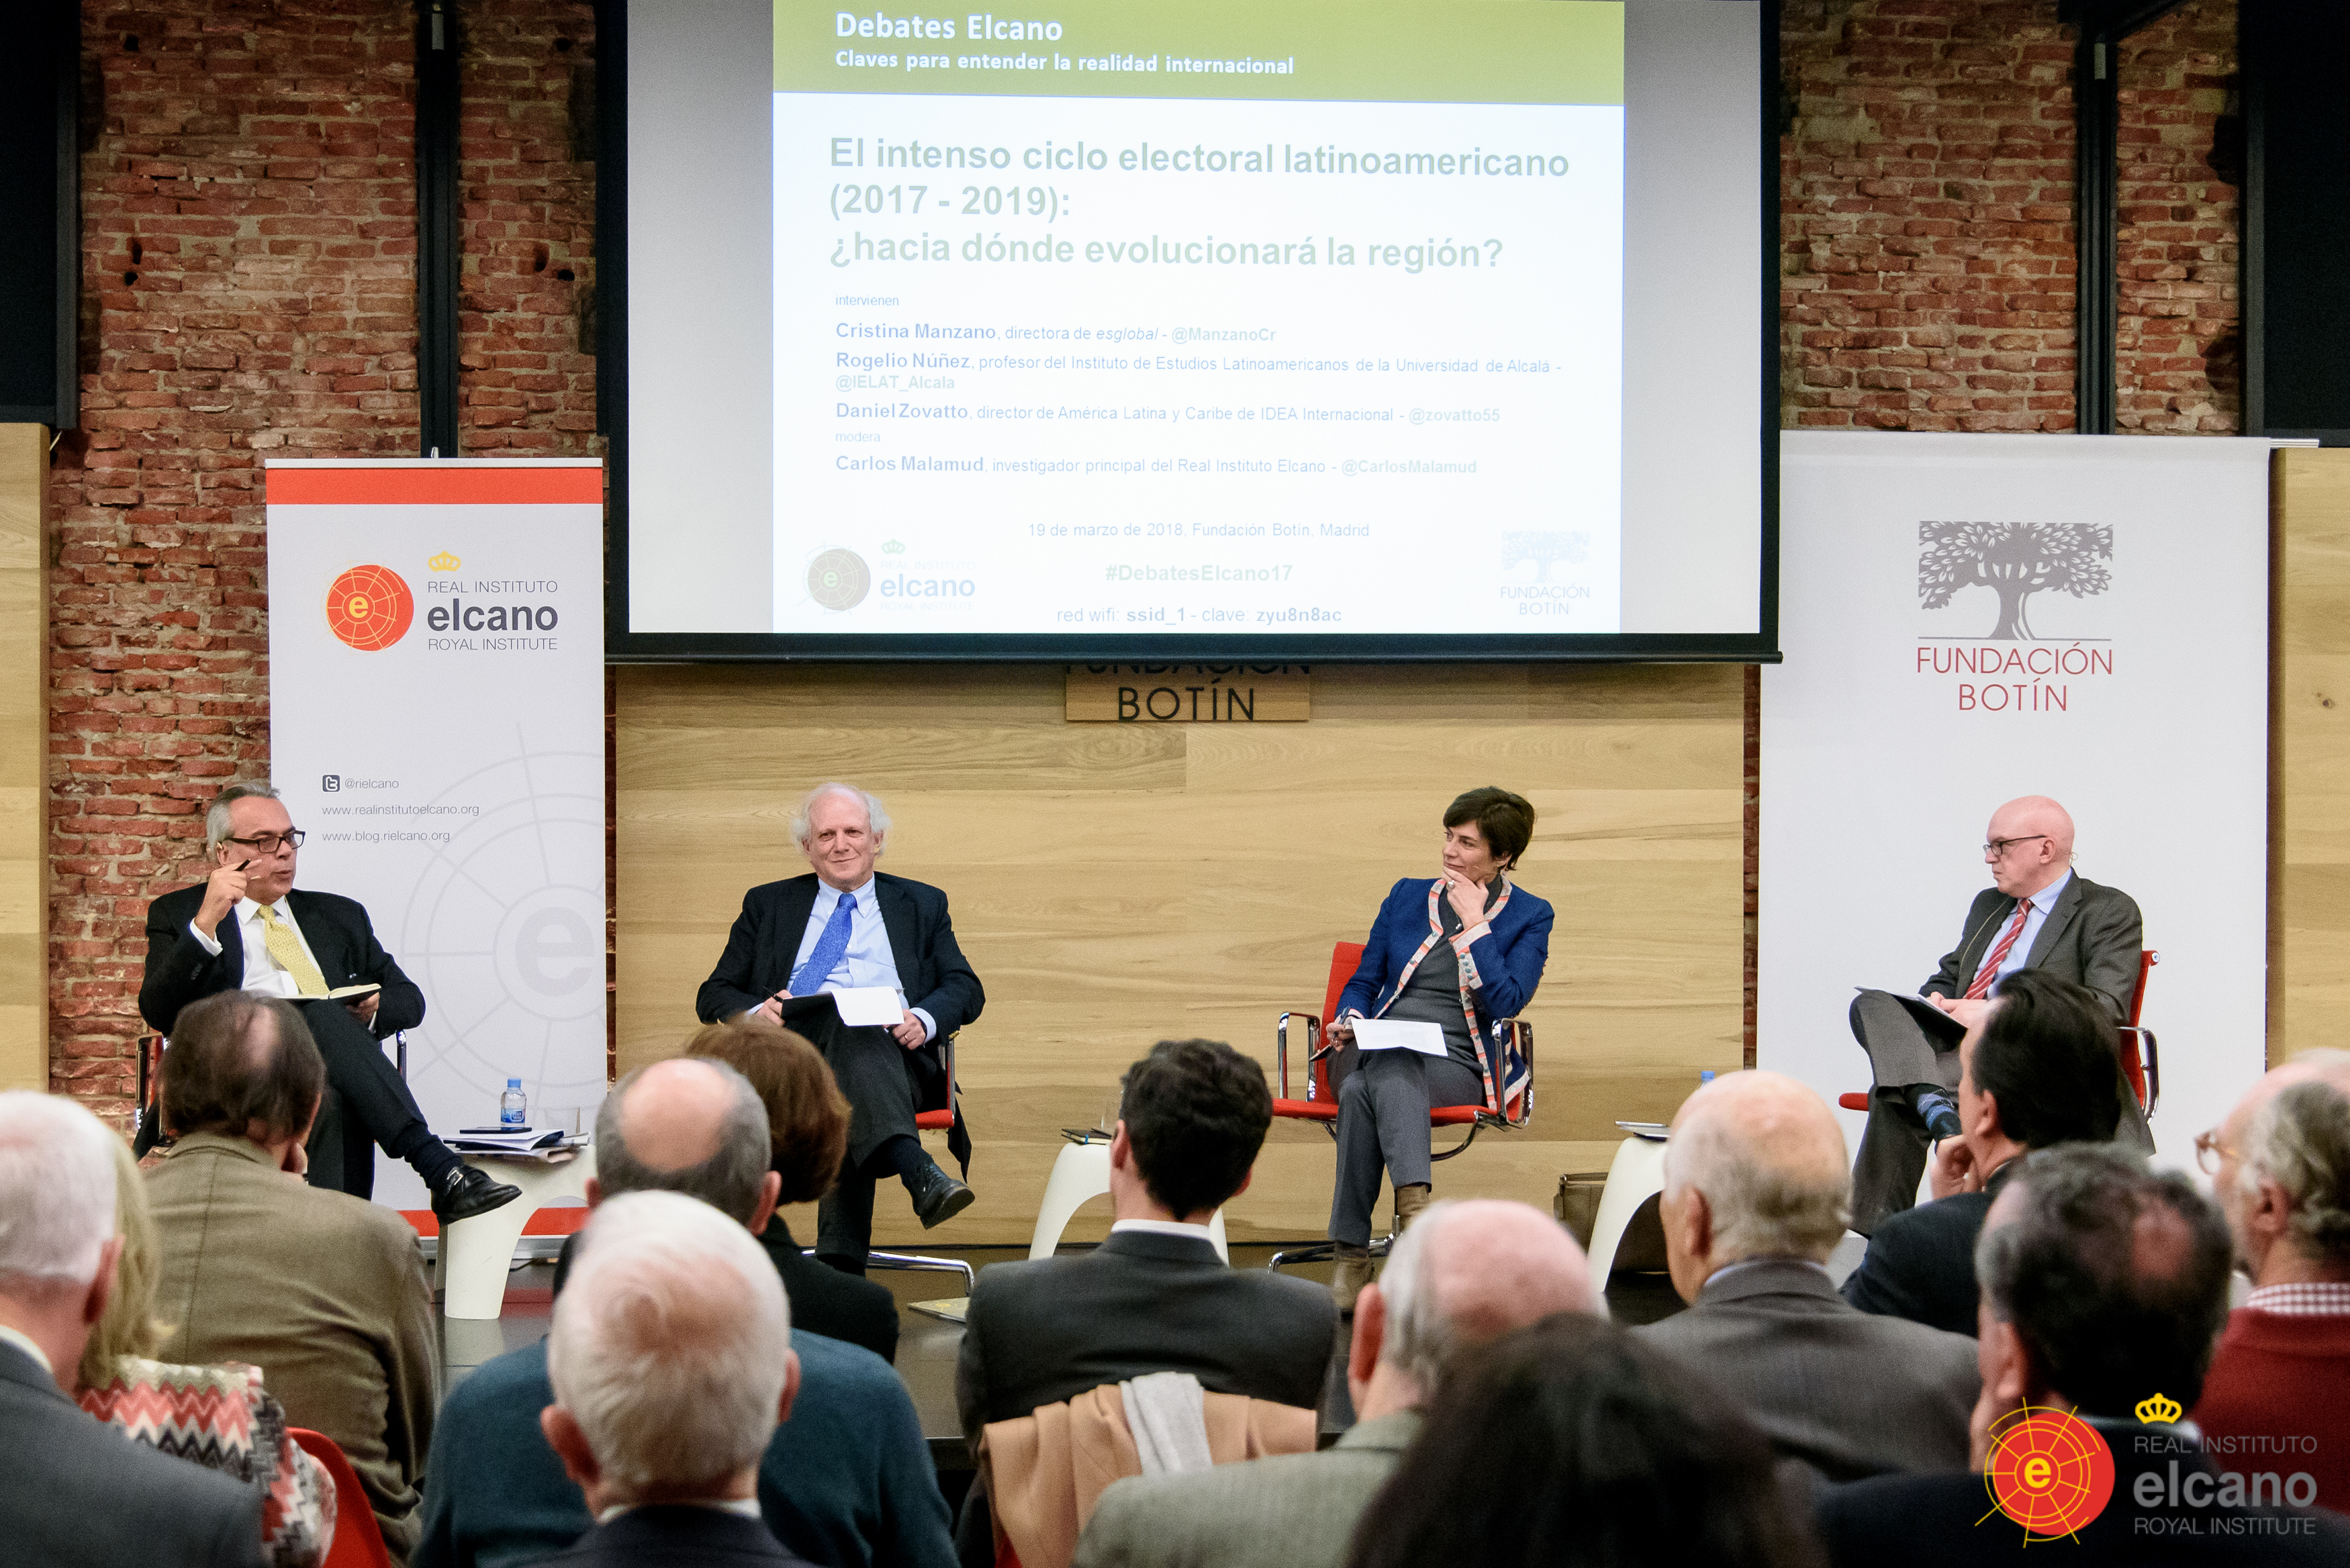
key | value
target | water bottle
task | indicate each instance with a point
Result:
(1705, 1077)
(514, 1110)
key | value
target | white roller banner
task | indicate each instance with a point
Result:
(1968, 619)
(436, 692)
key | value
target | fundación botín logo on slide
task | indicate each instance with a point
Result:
(2011, 668)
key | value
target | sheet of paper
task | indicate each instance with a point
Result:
(1400, 1034)
(869, 1004)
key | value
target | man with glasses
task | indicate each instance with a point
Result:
(2038, 913)
(245, 928)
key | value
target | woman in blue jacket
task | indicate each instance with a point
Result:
(1463, 952)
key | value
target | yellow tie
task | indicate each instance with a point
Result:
(286, 949)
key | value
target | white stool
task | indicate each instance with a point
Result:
(1080, 1173)
(1636, 1175)
(471, 1266)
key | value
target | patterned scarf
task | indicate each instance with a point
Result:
(1501, 1099)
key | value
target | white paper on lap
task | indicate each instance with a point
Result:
(864, 1005)
(1400, 1034)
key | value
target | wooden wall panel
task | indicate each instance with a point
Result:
(2309, 739)
(23, 761)
(1119, 884)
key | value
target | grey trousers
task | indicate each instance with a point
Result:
(1383, 1107)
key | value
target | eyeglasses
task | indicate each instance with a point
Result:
(1999, 846)
(2210, 1150)
(267, 843)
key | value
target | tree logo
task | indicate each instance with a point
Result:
(2015, 561)
(369, 608)
(2049, 1472)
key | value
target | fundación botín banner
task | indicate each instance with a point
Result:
(1968, 619)
(436, 687)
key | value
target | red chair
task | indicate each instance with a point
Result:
(358, 1541)
(1321, 1102)
(2140, 1056)
(942, 1111)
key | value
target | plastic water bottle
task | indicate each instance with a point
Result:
(1705, 1077)
(514, 1110)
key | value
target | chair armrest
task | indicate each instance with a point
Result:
(1313, 1023)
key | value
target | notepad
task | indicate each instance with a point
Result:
(1400, 1034)
(865, 1007)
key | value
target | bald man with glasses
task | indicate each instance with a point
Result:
(2038, 913)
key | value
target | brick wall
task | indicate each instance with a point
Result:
(249, 244)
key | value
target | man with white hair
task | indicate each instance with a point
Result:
(1755, 1199)
(844, 926)
(77, 1491)
(671, 1364)
(1465, 1273)
(2280, 1166)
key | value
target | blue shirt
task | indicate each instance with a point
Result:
(2041, 902)
(847, 1482)
(869, 960)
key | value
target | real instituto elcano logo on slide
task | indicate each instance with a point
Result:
(370, 607)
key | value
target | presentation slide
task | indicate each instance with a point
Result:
(1222, 317)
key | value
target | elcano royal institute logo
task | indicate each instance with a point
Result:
(369, 608)
(2050, 1471)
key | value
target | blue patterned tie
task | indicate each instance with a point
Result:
(831, 944)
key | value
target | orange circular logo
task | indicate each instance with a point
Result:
(2050, 1471)
(369, 608)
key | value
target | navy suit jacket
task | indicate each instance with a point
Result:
(341, 938)
(678, 1536)
(757, 962)
(1510, 956)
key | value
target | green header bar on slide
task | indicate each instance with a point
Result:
(1463, 51)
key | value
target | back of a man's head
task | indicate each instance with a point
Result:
(669, 1346)
(1470, 1270)
(686, 1125)
(244, 1066)
(1196, 1113)
(57, 1193)
(2047, 1053)
(2113, 1276)
(2300, 1139)
(1768, 1155)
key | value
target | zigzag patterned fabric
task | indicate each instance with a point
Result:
(222, 1419)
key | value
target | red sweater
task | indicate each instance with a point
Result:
(2287, 1380)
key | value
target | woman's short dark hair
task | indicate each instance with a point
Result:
(1616, 1455)
(225, 1072)
(808, 1115)
(1196, 1113)
(1506, 820)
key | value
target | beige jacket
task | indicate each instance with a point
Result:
(323, 1291)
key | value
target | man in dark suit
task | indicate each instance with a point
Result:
(671, 1364)
(2037, 1070)
(1155, 1297)
(2103, 1286)
(2037, 914)
(845, 926)
(246, 927)
(1754, 1201)
(75, 1492)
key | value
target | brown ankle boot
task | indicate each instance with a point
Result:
(1408, 1201)
(1350, 1271)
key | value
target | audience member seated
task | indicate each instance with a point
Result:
(847, 1481)
(2041, 1069)
(2281, 1171)
(322, 1291)
(74, 1492)
(2103, 1284)
(670, 1362)
(1462, 1276)
(1757, 1194)
(218, 1417)
(808, 1124)
(1572, 1443)
(1154, 1297)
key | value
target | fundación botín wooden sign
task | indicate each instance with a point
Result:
(1190, 693)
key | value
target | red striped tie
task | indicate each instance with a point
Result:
(1990, 971)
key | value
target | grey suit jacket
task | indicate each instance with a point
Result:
(1291, 1510)
(1843, 1393)
(77, 1491)
(2091, 938)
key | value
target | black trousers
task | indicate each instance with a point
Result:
(367, 1104)
(883, 1081)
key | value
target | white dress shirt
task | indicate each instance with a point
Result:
(24, 1341)
(1165, 1228)
(2041, 902)
(869, 960)
(263, 975)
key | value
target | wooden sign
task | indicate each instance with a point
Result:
(1190, 693)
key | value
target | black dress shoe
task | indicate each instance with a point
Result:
(466, 1192)
(940, 1198)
